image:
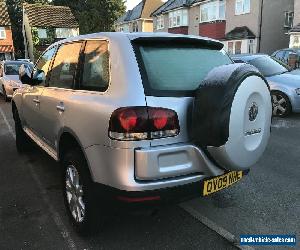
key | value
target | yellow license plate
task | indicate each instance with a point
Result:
(221, 182)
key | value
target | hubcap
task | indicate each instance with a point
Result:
(74, 193)
(279, 104)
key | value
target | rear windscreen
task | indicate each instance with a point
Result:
(176, 69)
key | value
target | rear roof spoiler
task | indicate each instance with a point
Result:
(207, 43)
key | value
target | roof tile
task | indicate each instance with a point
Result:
(50, 16)
(4, 16)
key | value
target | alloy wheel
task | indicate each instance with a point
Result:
(280, 105)
(74, 193)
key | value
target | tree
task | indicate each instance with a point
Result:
(15, 9)
(95, 15)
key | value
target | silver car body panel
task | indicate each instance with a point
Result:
(50, 112)
(287, 83)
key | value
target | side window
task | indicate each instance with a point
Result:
(280, 54)
(96, 66)
(65, 65)
(44, 62)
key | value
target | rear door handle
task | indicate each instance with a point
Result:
(60, 107)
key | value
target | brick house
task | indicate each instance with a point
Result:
(295, 31)
(254, 26)
(194, 17)
(45, 24)
(138, 19)
(6, 40)
(244, 26)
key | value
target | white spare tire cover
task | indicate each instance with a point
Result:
(232, 115)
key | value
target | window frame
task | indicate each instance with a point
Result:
(2, 29)
(50, 64)
(173, 18)
(160, 22)
(78, 83)
(287, 16)
(218, 5)
(76, 72)
(243, 12)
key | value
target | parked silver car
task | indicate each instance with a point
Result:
(139, 118)
(9, 77)
(284, 84)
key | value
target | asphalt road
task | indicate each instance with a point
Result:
(267, 201)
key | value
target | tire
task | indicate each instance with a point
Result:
(281, 104)
(23, 142)
(5, 95)
(232, 115)
(78, 193)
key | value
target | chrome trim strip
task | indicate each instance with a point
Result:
(41, 143)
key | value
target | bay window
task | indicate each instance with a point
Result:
(178, 18)
(160, 22)
(242, 7)
(212, 11)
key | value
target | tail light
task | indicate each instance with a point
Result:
(143, 123)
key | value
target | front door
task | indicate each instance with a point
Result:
(58, 90)
(31, 95)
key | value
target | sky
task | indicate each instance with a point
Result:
(132, 3)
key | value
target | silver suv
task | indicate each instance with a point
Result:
(142, 118)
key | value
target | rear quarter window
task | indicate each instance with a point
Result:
(176, 69)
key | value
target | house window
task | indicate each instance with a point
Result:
(242, 7)
(160, 22)
(234, 47)
(178, 18)
(135, 27)
(65, 32)
(212, 11)
(42, 33)
(126, 28)
(238, 47)
(2, 33)
(288, 20)
(251, 46)
(230, 48)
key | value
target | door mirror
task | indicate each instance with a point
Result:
(25, 75)
(38, 77)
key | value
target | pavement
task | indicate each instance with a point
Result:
(267, 201)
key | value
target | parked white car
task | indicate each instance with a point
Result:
(9, 77)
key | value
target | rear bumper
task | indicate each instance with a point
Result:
(152, 198)
(149, 169)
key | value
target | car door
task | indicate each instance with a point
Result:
(30, 109)
(59, 88)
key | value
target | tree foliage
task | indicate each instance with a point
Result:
(95, 15)
(15, 9)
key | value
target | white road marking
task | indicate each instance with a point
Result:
(55, 215)
(213, 226)
(11, 131)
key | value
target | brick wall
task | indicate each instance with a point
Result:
(214, 30)
(8, 40)
(179, 30)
